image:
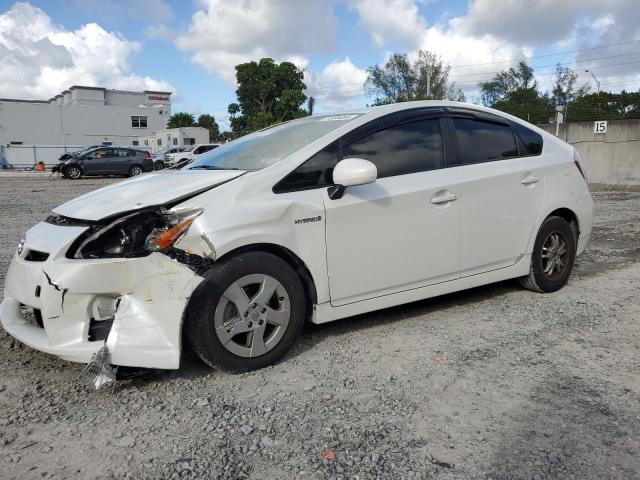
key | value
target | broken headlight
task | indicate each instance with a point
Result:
(136, 234)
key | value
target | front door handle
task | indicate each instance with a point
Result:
(530, 180)
(449, 197)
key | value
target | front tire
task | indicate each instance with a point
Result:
(73, 172)
(552, 258)
(246, 313)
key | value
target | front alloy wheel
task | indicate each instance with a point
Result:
(252, 315)
(73, 172)
(246, 313)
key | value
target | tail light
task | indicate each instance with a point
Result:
(147, 156)
(578, 162)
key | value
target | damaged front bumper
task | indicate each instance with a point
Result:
(134, 306)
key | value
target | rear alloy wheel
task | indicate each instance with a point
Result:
(552, 257)
(73, 172)
(247, 312)
(135, 170)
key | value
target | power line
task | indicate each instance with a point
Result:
(553, 65)
(547, 55)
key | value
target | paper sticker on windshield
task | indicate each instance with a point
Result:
(338, 118)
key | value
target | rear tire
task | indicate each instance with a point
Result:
(247, 312)
(552, 258)
(135, 170)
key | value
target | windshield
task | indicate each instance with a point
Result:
(188, 149)
(264, 148)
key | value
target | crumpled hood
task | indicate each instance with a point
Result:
(143, 191)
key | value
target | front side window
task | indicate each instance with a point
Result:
(401, 149)
(483, 141)
(102, 153)
(138, 121)
(314, 173)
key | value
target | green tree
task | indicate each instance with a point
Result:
(181, 119)
(403, 80)
(515, 91)
(207, 121)
(267, 93)
(505, 83)
(605, 106)
(311, 103)
(564, 90)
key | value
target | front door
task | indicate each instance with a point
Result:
(96, 162)
(402, 231)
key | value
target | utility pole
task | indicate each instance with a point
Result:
(597, 81)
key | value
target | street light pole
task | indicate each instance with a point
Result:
(596, 79)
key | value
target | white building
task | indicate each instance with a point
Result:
(84, 116)
(173, 137)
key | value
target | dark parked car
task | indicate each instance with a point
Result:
(107, 161)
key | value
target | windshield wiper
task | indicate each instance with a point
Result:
(211, 167)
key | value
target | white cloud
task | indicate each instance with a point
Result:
(40, 59)
(338, 86)
(228, 32)
(495, 33)
(391, 20)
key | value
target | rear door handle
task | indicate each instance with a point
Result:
(449, 197)
(530, 180)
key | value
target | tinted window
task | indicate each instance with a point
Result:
(482, 141)
(102, 153)
(401, 149)
(315, 172)
(530, 141)
(123, 153)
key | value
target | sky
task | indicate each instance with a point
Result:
(191, 47)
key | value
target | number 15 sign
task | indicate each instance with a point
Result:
(600, 126)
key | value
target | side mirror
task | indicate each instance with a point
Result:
(350, 172)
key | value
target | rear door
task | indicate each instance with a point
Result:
(123, 160)
(501, 191)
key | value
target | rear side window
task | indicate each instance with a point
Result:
(482, 141)
(401, 149)
(530, 141)
(315, 172)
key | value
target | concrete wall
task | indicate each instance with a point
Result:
(53, 124)
(612, 157)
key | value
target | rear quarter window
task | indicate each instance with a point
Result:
(530, 142)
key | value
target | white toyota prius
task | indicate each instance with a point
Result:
(315, 219)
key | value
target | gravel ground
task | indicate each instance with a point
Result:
(496, 382)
